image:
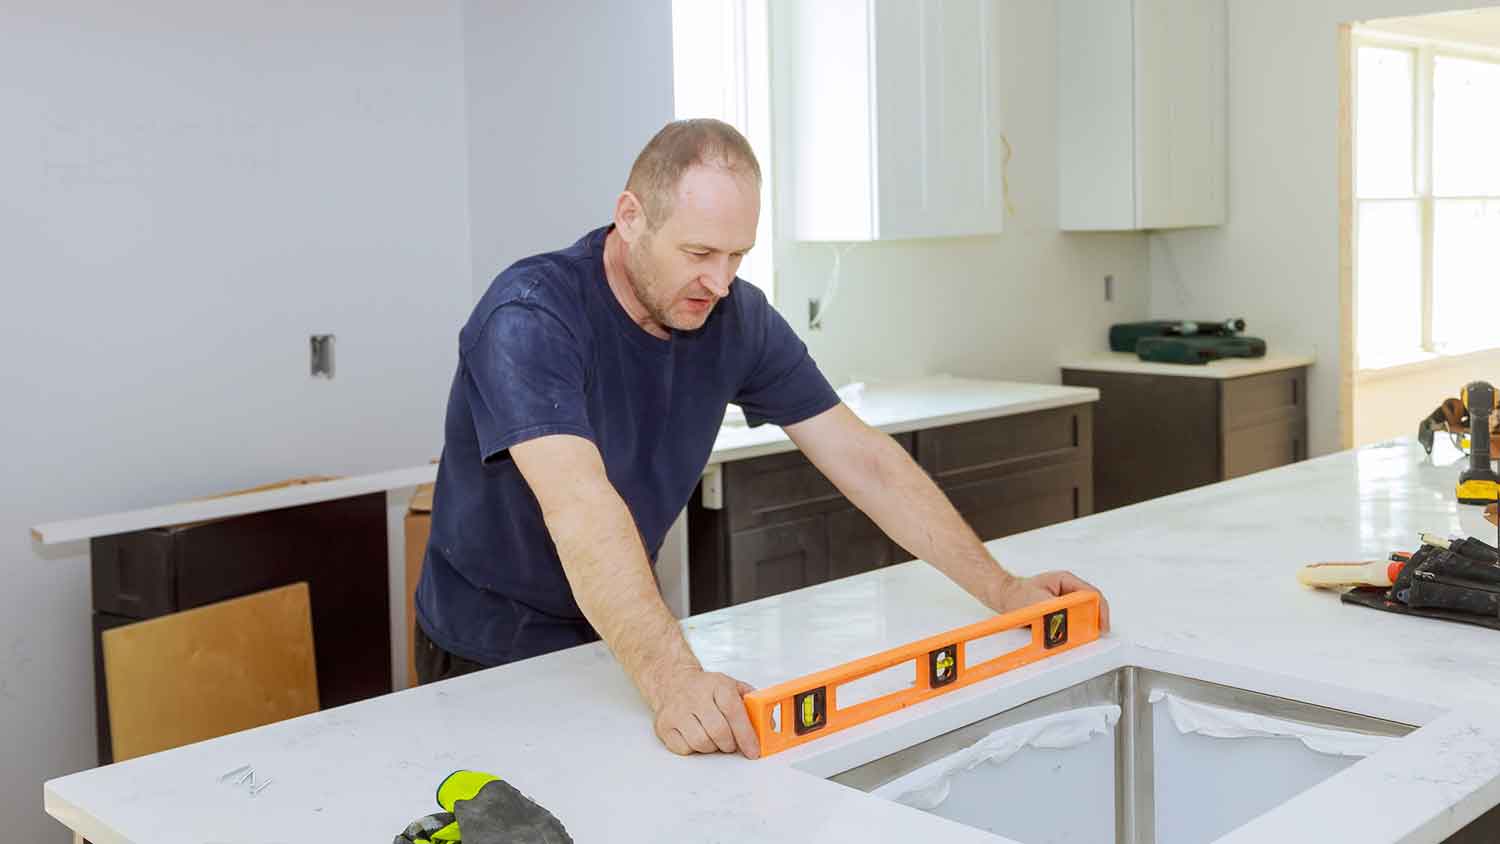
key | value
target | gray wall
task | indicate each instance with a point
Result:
(190, 190)
(561, 97)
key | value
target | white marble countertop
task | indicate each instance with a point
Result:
(1201, 584)
(1220, 369)
(899, 406)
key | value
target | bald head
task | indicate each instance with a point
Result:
(678, 147)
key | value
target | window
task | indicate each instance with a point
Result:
(721, 69)
(1427, 199)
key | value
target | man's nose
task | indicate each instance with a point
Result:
(718, 279)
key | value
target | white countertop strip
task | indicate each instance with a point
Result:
(895, 407)
(899, 406)
(188, 512)
(1128, 362)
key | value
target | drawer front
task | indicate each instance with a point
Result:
(781, 487)
(1008, 445)
(1001, 506)
(1266, 446)
(778, 558)
(1259, 399)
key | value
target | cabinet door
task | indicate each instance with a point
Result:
(937, 118)
(1095, 115)
(1142, 88)
(777, 559)
(856, 544)
(1181, 163)
(1156, 434)
(999, 507)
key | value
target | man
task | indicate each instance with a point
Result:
(591, 384)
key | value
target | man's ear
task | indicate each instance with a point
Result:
(630, 216)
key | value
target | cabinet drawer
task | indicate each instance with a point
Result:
(767, 490)
(1259, 399)
(1266, 446)
(778, 558)
(1001, 506)
(1010, 444)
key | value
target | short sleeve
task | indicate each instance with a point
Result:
(784, 386)
(524, 378)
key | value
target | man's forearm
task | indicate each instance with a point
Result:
(612, 581)
(894, 491)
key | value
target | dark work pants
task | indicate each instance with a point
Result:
(537, 634)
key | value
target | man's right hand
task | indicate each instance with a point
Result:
(703, 712)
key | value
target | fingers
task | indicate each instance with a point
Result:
(716, 727)
(733, 708)
(672, 738)
(709, 717)
(1064, 582)
(694, 734)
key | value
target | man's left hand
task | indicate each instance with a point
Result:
(1018, 592)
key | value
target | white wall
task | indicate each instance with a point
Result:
(1276, 261)
(561, 97)
(191, 190)
(1008, 306)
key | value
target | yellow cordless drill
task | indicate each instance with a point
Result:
(1479, 484)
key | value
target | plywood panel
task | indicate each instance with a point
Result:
(418, 529)
(210, 671)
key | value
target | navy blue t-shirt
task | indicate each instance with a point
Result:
(550, 350)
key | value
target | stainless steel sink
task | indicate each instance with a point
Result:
(1135, 749)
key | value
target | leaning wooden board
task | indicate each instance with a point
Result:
(210, 671)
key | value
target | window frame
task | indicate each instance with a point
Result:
(1425, 52)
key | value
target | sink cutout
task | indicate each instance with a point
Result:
(1146, 778)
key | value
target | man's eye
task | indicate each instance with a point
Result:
(698, 254)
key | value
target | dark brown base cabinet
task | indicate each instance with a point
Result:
(1160, 434)
(784, 526)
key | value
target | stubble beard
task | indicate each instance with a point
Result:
(642, 277)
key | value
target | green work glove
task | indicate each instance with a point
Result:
(481, 808)
(427, 830)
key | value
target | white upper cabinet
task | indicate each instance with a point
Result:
(1141, 114)
(889, 113)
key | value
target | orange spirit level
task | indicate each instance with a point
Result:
(808, 706)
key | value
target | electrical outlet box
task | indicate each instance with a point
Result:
(322, 355)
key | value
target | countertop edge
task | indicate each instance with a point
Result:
(784, 444)
(1223, 370)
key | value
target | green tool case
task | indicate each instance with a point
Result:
(1198, 350)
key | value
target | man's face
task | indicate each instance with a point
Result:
(681, 270)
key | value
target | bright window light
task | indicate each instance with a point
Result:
(721, 69)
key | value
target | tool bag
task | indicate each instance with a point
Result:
(1438, 583)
